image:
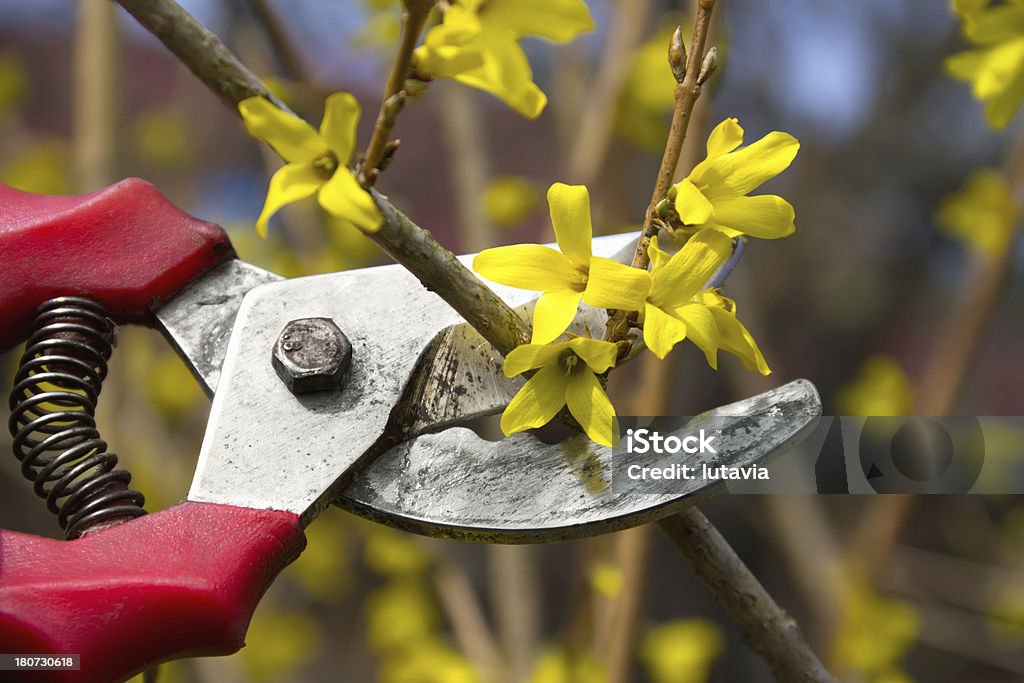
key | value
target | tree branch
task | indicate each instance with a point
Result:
(410, 245)
(413, 19)
(766, 627)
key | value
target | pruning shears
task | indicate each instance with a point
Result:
(345, 388)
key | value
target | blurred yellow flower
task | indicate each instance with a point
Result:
(323, 570)
(400, 614)
(565, 376)
(162, 137)
(41, 168)
(477, 44)
(1006, 615)
(714, 194)
(316, 160)
(681, 651)
(428, 660)
(565, 276)
(391, 553)
(508, 200)
(677, 308)
(983, 214)
(606, 578)
(648, 94)
(13, 83)
(278, 642)
(381, 27)
(557, 666)
(996, 68)
(874, 634)
(881, 388)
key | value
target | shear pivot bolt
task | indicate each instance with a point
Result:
(311, 354)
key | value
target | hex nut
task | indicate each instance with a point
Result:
(311, 354)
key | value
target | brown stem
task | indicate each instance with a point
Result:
(410, 245)
(687, 92)
(766, 627)
(690, 76)
(413, 19)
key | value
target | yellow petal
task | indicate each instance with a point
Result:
(691, 204)
(662, 331)
(505, 73)
(688, 271)
(344, 197)
(556, 20)
(446, 61)
(701, 329)
(553, 313)
(966, 65)
(291, 137)
(659, 257)
(529, 266)
(727, 136)
(615, 285)
(537, 402)
(589, 404)
(290, 184)
(531, 356)
(766, 216)
(338, 128)
(570, 217)
(599, 355)
(997, 24)
(734, 338)
(740, 172)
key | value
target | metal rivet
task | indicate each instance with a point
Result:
(311, 354)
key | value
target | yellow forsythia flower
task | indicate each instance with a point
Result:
(316, 160)
(162, 137)
(996, 68)
(565, 276)
(477, 44)
(983, 213)
(681, 651)
(881, 388)
(13, 83)
(714, 194)
(565, 376)
(427, 660)
(677, 309)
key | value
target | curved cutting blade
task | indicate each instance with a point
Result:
(519, 490)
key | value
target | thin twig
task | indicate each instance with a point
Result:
(413, 19)
(690, 75)
(687, 91)
(410, 245)
(766, 627)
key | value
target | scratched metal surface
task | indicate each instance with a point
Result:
(266, 448)
(520, 490)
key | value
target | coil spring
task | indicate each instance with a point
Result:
(53, 418)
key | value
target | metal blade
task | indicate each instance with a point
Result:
(198, 321)
(520, 490)
(268, 448)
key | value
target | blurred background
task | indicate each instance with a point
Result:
(877, 299)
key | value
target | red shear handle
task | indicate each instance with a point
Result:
(125, 246)
(182, 582)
